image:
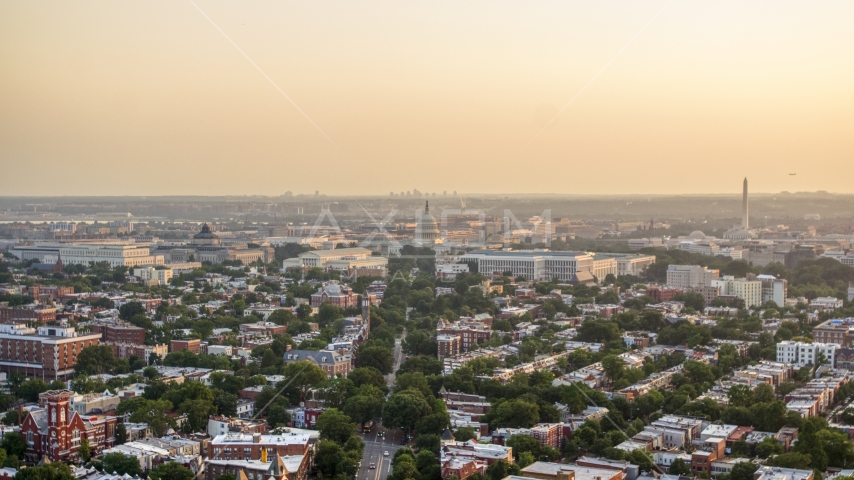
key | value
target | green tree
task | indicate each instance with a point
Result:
(740, 448)
(367, 376)
(363, 408)
(120, 463)
(743, 471)
(500, 469)
(377, 357)
(335, 425)
(613, 366)
(797, 460)
(767, 447)
(304, 376)
(405, 409)
(121, 434)
(679, 467)
(513, 414)
(96, 360)
(13, 443)
(84, 452)
(327, 457)
(641, 458)
(810, 444)
(170, 471)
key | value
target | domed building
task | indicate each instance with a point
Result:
(427, 230)
(206, 237)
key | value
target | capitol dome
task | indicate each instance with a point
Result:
(697, 235)
(427, 232)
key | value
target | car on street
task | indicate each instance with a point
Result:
(385, 453)
(373, 466)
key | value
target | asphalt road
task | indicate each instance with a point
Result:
(374, 448)
(376, 445)
(398, 359)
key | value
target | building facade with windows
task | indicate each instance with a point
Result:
(333, 363)
(47, 352)
(54, 431)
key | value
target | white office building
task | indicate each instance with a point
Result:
(535, 264)
(146, 274)
(748, 290)
(803, 354)
(338, 259)
(690, 276)
(774, 289)
(116, 254)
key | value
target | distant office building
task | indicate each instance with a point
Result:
(342, 259)
(690, 276)
(748, 290)
(826, 303)
(194, 345)
(774, 289)
(161, 276)
(575, 267)
(115, 254)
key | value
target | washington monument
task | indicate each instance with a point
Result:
(745, 224)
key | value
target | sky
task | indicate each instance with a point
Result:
(186, 97)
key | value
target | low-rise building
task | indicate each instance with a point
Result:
(333, 363)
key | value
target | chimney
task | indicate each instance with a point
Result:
(20, 414)
(256, 438)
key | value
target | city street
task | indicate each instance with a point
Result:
(374, 448)
(375, 445)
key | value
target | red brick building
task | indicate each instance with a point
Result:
(341, 296)
(121, 334)
(56, 432)
(248, 446)
(469, 335)
(27, 314)
(46, 352)
(194, 345)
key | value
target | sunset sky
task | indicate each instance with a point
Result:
(682, 96)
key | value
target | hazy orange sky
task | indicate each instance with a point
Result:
(149, 98)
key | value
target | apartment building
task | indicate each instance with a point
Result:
(449, 345)
(46, 352)
(120, 333)
(40, 314)
(194, 345)
(750, 291)
(690, 276)
(470, 334)
(803, 354)
(774, 289)
(147, 274)
(249, 446)
(839, 331)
